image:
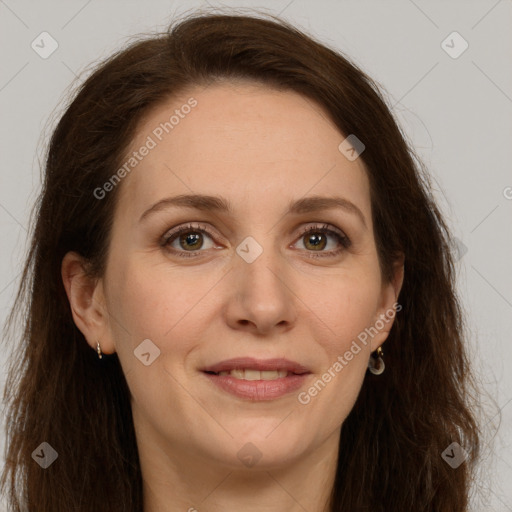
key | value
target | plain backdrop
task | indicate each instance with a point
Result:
(456, 110)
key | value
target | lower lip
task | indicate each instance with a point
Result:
(258, 389)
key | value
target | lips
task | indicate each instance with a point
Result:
(262, 365)
(257, 379)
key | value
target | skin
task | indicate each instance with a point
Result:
(260, 148)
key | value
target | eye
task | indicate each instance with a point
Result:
(186, 241)
(316, 238)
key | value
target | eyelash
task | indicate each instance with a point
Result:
(325, 229)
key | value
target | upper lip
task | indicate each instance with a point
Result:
(240, 363)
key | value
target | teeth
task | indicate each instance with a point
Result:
(248, 374)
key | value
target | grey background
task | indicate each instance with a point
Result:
(457, 112)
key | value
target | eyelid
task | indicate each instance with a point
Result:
(322, 226)
(188, 226)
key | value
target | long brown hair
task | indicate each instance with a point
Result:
(59, 392)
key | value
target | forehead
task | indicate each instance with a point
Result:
(242, 139)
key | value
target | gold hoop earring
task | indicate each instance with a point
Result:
(376, 363)
(98, 348)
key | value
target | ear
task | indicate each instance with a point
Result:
(388, 304)
(87, 301)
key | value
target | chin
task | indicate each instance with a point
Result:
(260, 446)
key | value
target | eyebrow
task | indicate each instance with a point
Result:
(203, 202)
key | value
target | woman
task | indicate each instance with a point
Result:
(240, 292)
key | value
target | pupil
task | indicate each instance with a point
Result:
(316, 241)
(192, 240)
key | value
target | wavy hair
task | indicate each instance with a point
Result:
(58, 390)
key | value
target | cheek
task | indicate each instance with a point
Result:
(344, 305)
(342, 312)
(146, 301)
(146, 305)
(149, 302)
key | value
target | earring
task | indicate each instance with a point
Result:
(98, 348)
(376, 363)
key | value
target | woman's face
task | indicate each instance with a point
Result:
(252, 285)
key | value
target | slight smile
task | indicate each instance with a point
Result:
(257, 379)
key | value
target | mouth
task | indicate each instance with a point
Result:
(252, 374)
(257, 379)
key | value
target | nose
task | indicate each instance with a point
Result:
(262, 298)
